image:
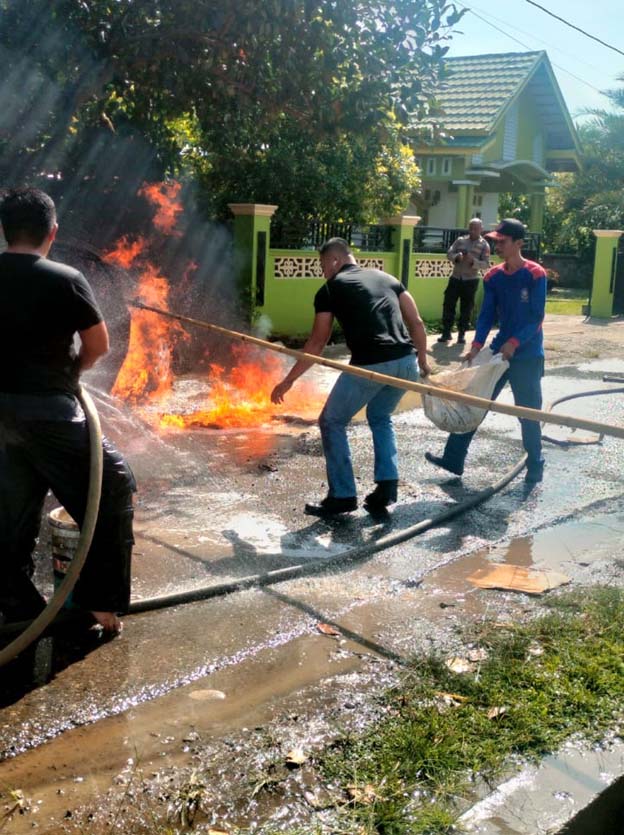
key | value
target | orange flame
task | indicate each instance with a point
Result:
(239, 397)
(146, 371)
(125, 253)
(164, 197)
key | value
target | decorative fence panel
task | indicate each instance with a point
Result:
(281, 281)
(292, 280)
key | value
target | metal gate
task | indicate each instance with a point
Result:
(617, 278)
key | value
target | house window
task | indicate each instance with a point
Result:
(447, 165)
(419, 162)
(477, 200)
(431, 166)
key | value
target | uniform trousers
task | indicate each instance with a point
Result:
(464, 291)
(37, 456)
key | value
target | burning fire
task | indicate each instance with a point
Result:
(147, 369)
(165, 197)
(236, 397)
(240, 396)
(125, 252)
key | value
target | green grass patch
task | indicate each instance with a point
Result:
(531, 686)
(433, 326)
(567, 301)
(541, 682)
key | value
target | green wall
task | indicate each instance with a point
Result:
(604, 265)
(289, 302)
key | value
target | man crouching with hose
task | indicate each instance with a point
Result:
(44, 442)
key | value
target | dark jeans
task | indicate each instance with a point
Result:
(39, 455)
(525, 378)
(465, 292)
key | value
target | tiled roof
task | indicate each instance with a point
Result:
(480, 86)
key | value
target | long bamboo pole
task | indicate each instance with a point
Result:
(408, 385)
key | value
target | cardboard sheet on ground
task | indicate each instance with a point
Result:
(510, 577)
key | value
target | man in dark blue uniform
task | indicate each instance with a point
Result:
(469, 254)
(515, 295)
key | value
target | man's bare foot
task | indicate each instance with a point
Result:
(108, 621)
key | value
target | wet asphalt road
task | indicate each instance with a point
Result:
(216, 506)
(205, 516)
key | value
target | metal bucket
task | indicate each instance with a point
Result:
(64, 533)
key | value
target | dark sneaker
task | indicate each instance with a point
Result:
(332, 506)
(385, 493)
(445, 337)
(461, 339)
(443, 464)
(534, 474)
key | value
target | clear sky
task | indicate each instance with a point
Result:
(595, 66)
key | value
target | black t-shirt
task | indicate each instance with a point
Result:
(42, 305)
(366, 304)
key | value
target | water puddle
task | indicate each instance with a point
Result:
(571, 547)
(547, 797)
(83, 763)
(61, 775)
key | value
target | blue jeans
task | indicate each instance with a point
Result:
(347, 397)
(525, 378)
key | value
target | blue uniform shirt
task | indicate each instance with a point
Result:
(517, 300)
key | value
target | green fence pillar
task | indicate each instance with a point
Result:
(252, 238)
(605, 264)
(465, 192)
(536, 218)
(403, 245)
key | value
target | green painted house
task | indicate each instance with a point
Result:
(506, 129)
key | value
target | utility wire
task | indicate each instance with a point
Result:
(498, 29)
(535, 38)
(530, 48)
(572, 26)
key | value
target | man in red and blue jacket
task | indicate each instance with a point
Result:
(515, 295)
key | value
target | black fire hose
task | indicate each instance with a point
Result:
(33, 629)
(320, 564)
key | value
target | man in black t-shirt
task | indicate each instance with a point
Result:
(44, 440)
(382, 327)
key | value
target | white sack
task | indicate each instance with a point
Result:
(478, 379)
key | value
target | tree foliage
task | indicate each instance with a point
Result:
(593, 198)
(515, 205)
(307, 103)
